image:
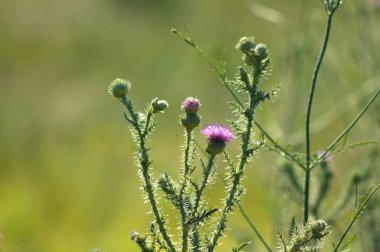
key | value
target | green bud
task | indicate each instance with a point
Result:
(190, 120)
(159, 105)
(119, 88)
(243, 74)
(215, 147)
(245, 44)
(261, 51)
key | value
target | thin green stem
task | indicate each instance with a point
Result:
(148, 118)
(145, 164)
(308, 116)
(327, 152)
(357, 213)
(283, 152)
(254, 228)
(206, 178)
(220, 74)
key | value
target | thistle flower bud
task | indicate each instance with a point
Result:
(119, 88)
(159, 105)
(245, 44)
(318, 229)
(243, 74)
(190, 121)
(191, 105)
(261, 51)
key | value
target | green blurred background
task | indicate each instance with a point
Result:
(67, 179)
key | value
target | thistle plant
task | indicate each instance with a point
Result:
(187, 194)
(201, 226)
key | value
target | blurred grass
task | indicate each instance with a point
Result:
(67, 179)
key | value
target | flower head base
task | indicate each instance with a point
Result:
(190, 121)
(218, 136)
(119, 88)
(191, 105)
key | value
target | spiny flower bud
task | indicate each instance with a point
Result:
(191, 105)
(119, 88)
(243, 76)
(261, 51)
(159, 105)
(190, 121)
(245, 44)
(318, 229)
(218, 136)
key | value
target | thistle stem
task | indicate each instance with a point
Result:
(144, 165)
(206, 177)
(308, 116)
(184, 176)
(231, 197)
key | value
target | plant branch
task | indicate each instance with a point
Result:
(144, 165)
(357, 213)
(184, 176)
(327, 152)
(308, 116)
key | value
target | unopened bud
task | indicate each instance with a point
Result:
(159, 105)
(261, 51)
(243, 75)
(119, 88)
(245, 44)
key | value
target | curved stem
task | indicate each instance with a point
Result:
(308, 115)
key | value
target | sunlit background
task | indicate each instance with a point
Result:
(67, 178)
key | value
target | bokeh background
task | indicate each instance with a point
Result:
(67, 179)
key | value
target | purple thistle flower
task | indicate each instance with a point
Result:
(217, 132)
(191, 105)
(218, 136)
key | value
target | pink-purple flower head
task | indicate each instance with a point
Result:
(217, 132)
(191, 105)
(218, 135)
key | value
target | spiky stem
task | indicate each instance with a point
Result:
(144, 166)
(184, 176)
(230, 200)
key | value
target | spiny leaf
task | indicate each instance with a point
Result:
(293, 229)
